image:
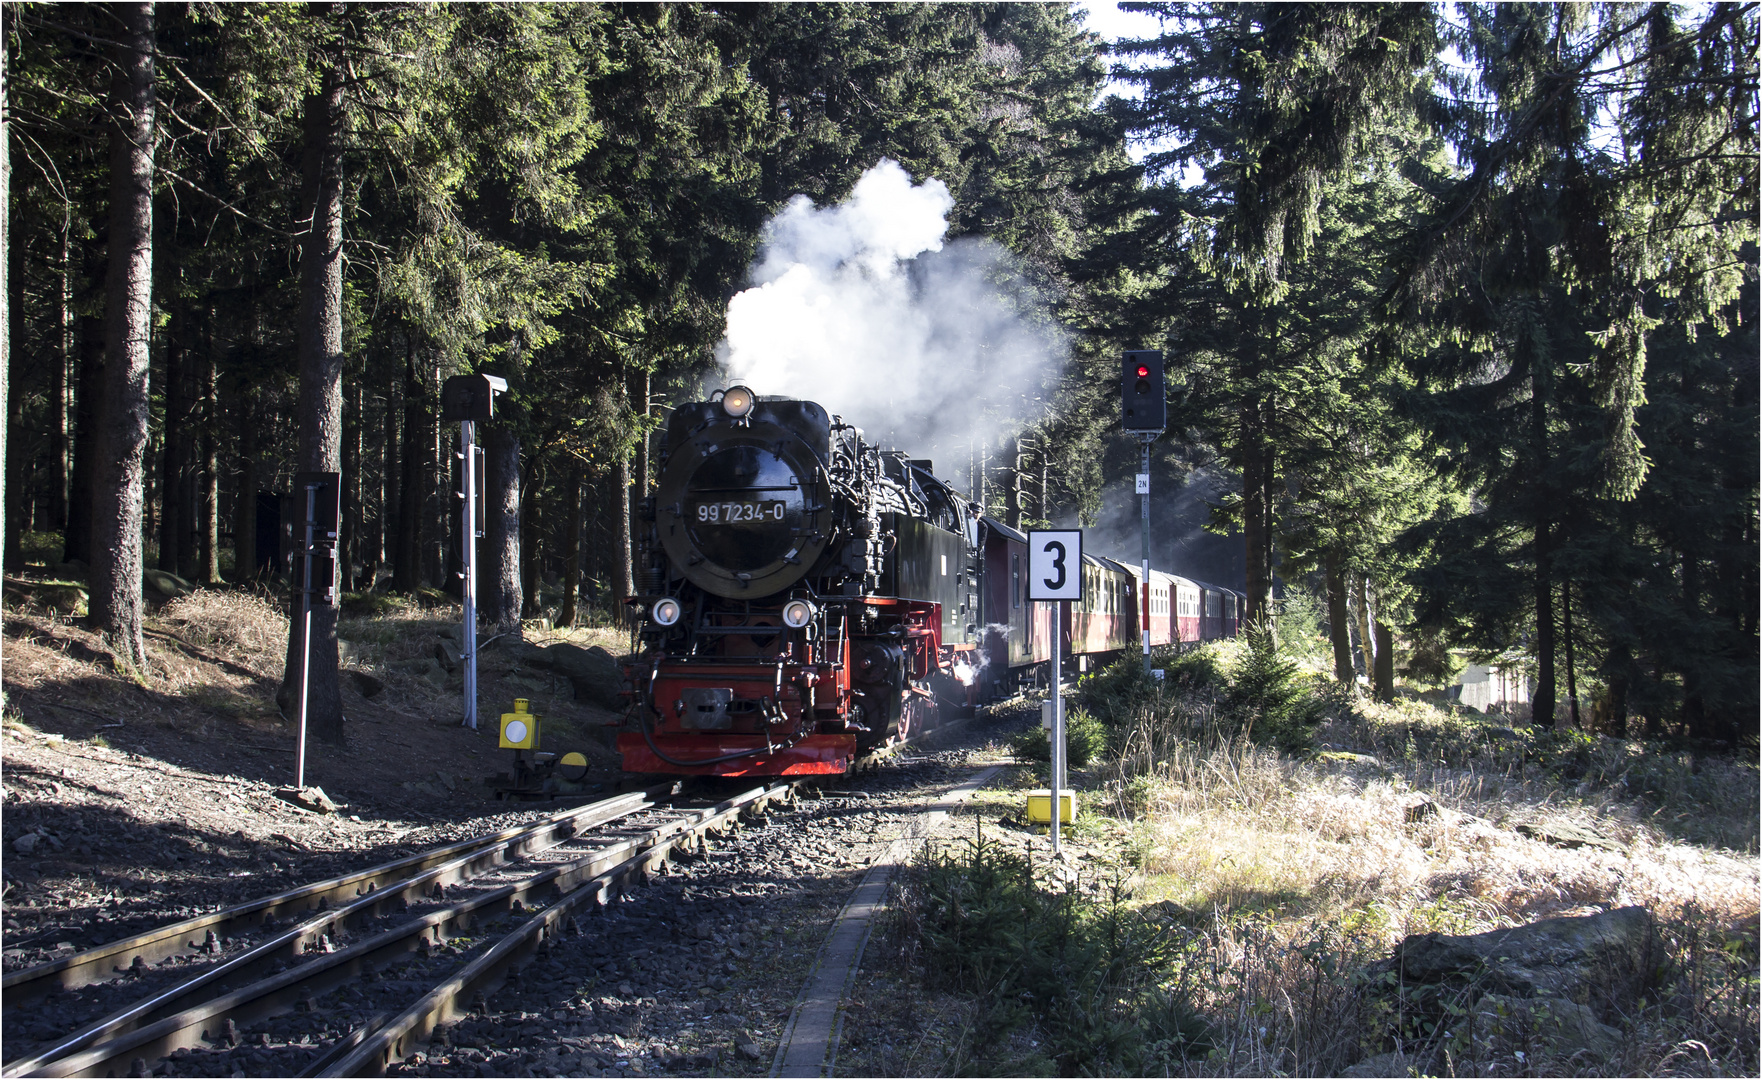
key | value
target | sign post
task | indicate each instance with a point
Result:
(320, 494)
(468, 399)
(1055, 574)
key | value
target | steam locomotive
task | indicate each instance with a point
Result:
(809, 597)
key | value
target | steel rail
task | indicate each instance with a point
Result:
(293, 942)
(379, 1049)
(101, 963)
(287, 990)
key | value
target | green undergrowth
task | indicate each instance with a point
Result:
(1094, 983)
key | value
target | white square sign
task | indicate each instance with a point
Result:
(1143, 484)
(1055, 564)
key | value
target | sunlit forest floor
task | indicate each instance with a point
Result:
(1275, 879)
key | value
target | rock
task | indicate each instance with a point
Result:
(1390, 1064)
(422, 667)
(1553, 958)
(592, 672)
(1512, 1022)
(1344, 757)
(164, 586)
(1418, 810)
(525, 652)
(448, 654)
(312, 798)
(749, 1051)
(26, 844)
(367, 685)
(61, 597)
(1568, 836)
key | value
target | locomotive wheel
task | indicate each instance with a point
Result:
(917, 716)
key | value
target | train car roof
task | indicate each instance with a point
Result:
(997, 526)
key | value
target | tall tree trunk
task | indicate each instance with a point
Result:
(208, 562)
(626, 583)
(1385, 665)
(500, 587)
(244, 527)
(88, 398)
(1571, 673)
(320, 351)
(1366, 645)
(1012, 507)
(1338, 632)
(571, 547)
(1259, 583)
(7, 239)
(116, 517)
(11, 401)
(349, 543)
(437, 497)
(171, 444)
(1542, 701)
(532, 545)
(58, 390)
(407, 563)
(391, 466)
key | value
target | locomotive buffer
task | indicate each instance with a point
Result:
(1055, 574)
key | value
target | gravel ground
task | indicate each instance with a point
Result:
(697, 972)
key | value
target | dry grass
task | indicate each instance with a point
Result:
(1293, 872)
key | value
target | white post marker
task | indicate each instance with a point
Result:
(1055, 574)
(468, 560)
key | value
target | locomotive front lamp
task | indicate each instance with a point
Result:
(665, 612)
(737, 401)
(797, 614)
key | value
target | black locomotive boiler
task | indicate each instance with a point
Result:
(808, 597)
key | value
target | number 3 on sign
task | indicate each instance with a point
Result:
(1055, 565)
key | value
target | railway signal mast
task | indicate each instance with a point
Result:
(1144, 412)
(468, 399)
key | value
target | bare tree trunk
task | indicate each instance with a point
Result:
(1338, 632)
(349, 543)
(626, 575)
(1259, 581)
(116, 518)
(437, 502)
(320, 350)
(391, 465)
(244, 527)
(407, 563)
(58, 392)
(89, 334)
(571, 547)
(1365, 644)
(1385, 670)
(7, 239)
(209, 561)
(171, 444)
(1012, 506)
(12, 477)
(501, 504)
(532, 545)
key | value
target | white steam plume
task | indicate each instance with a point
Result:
(932, 349)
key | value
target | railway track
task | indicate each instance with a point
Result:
(395, 949)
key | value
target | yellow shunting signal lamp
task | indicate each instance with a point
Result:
(519, 728)
(573, 765)
(737, 401)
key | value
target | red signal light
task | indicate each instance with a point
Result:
(1143, 371)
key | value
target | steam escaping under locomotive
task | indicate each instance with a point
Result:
(809, 597)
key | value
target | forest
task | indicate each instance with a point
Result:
(1459, 301)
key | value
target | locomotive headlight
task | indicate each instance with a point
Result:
(797, 614)
(665, 612)
(737, 401)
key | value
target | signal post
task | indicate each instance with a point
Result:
(1144, 413)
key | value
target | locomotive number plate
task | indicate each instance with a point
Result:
(736, 512)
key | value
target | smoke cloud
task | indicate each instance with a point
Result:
(939, 349)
